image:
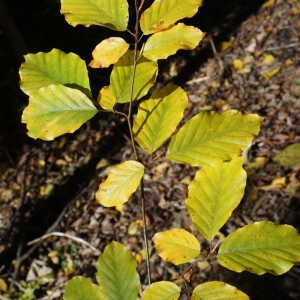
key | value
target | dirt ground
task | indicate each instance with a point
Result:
(48, 189)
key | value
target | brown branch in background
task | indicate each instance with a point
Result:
(12, 33)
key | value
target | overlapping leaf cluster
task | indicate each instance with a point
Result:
(60, 102)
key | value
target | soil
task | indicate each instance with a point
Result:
(49, 187)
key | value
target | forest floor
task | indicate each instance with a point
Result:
(50, 191)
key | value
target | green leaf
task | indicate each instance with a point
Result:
(210, 137)
(289, 157)
(79, 288)
(213, 195)
(217, 290)
(106, 98)
(108, 52)
(163, 290)
(161, 15)
(117, 275)
(56, 110)
(163, 44)
(261, 247)
(122, 181)
(158, 117)
(177, 246)
(107, 13)
(120, 78)
(55, 67)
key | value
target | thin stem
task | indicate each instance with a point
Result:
(145, 231)
(136, 57)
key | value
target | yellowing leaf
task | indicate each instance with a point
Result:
(158, 117)
(288, 62)
(55, 67)
(276, 184)
(268, 75)
(82, 288)
(268, 3)
(289, 157)
(226, 45)
(108, 52)
(106, 98)
(268, 59)
(213, 195)
(161, 15)
(120, 78)
(210, 137)
(261, 247)
(163, 44)
(122, 181)
(3, 286)
(258, 164)
(165, 290)
(177, 246)
(238, 64)
(133, 228)
(56, 110)
(111, 14)
(215, 290)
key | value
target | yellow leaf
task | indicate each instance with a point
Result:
(102, 163)
(108, 52)
(177, 246)
(106, 98)
(259, 163)
(288, 62)
(271, 73)
(3, 286)
(158, 117)
(165, 290)
(163, 44)
(268, 58)
(268, 3)
(238, 64)
(244, 71)
(133, 228)
(276, 184)
(122, 181)
(226, 45)
(162, 15)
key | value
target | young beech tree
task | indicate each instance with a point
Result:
(60, 101)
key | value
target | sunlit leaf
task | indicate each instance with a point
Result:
(117, 275)
(56, 110)
(108, 52)
(161, 15)
(217, 290)
(238, 64)
(268, 59)
(289, 156)
(213, 195)
(79, 288)
(55, 67)
(165, 290)
(268, 3)
(158, 117)
(268, 75)
(111, 14)
(177, 246)
(106, 98)
(121, 182)
(210, 137)
(120, 78)
(261, 247)
(163, 44)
